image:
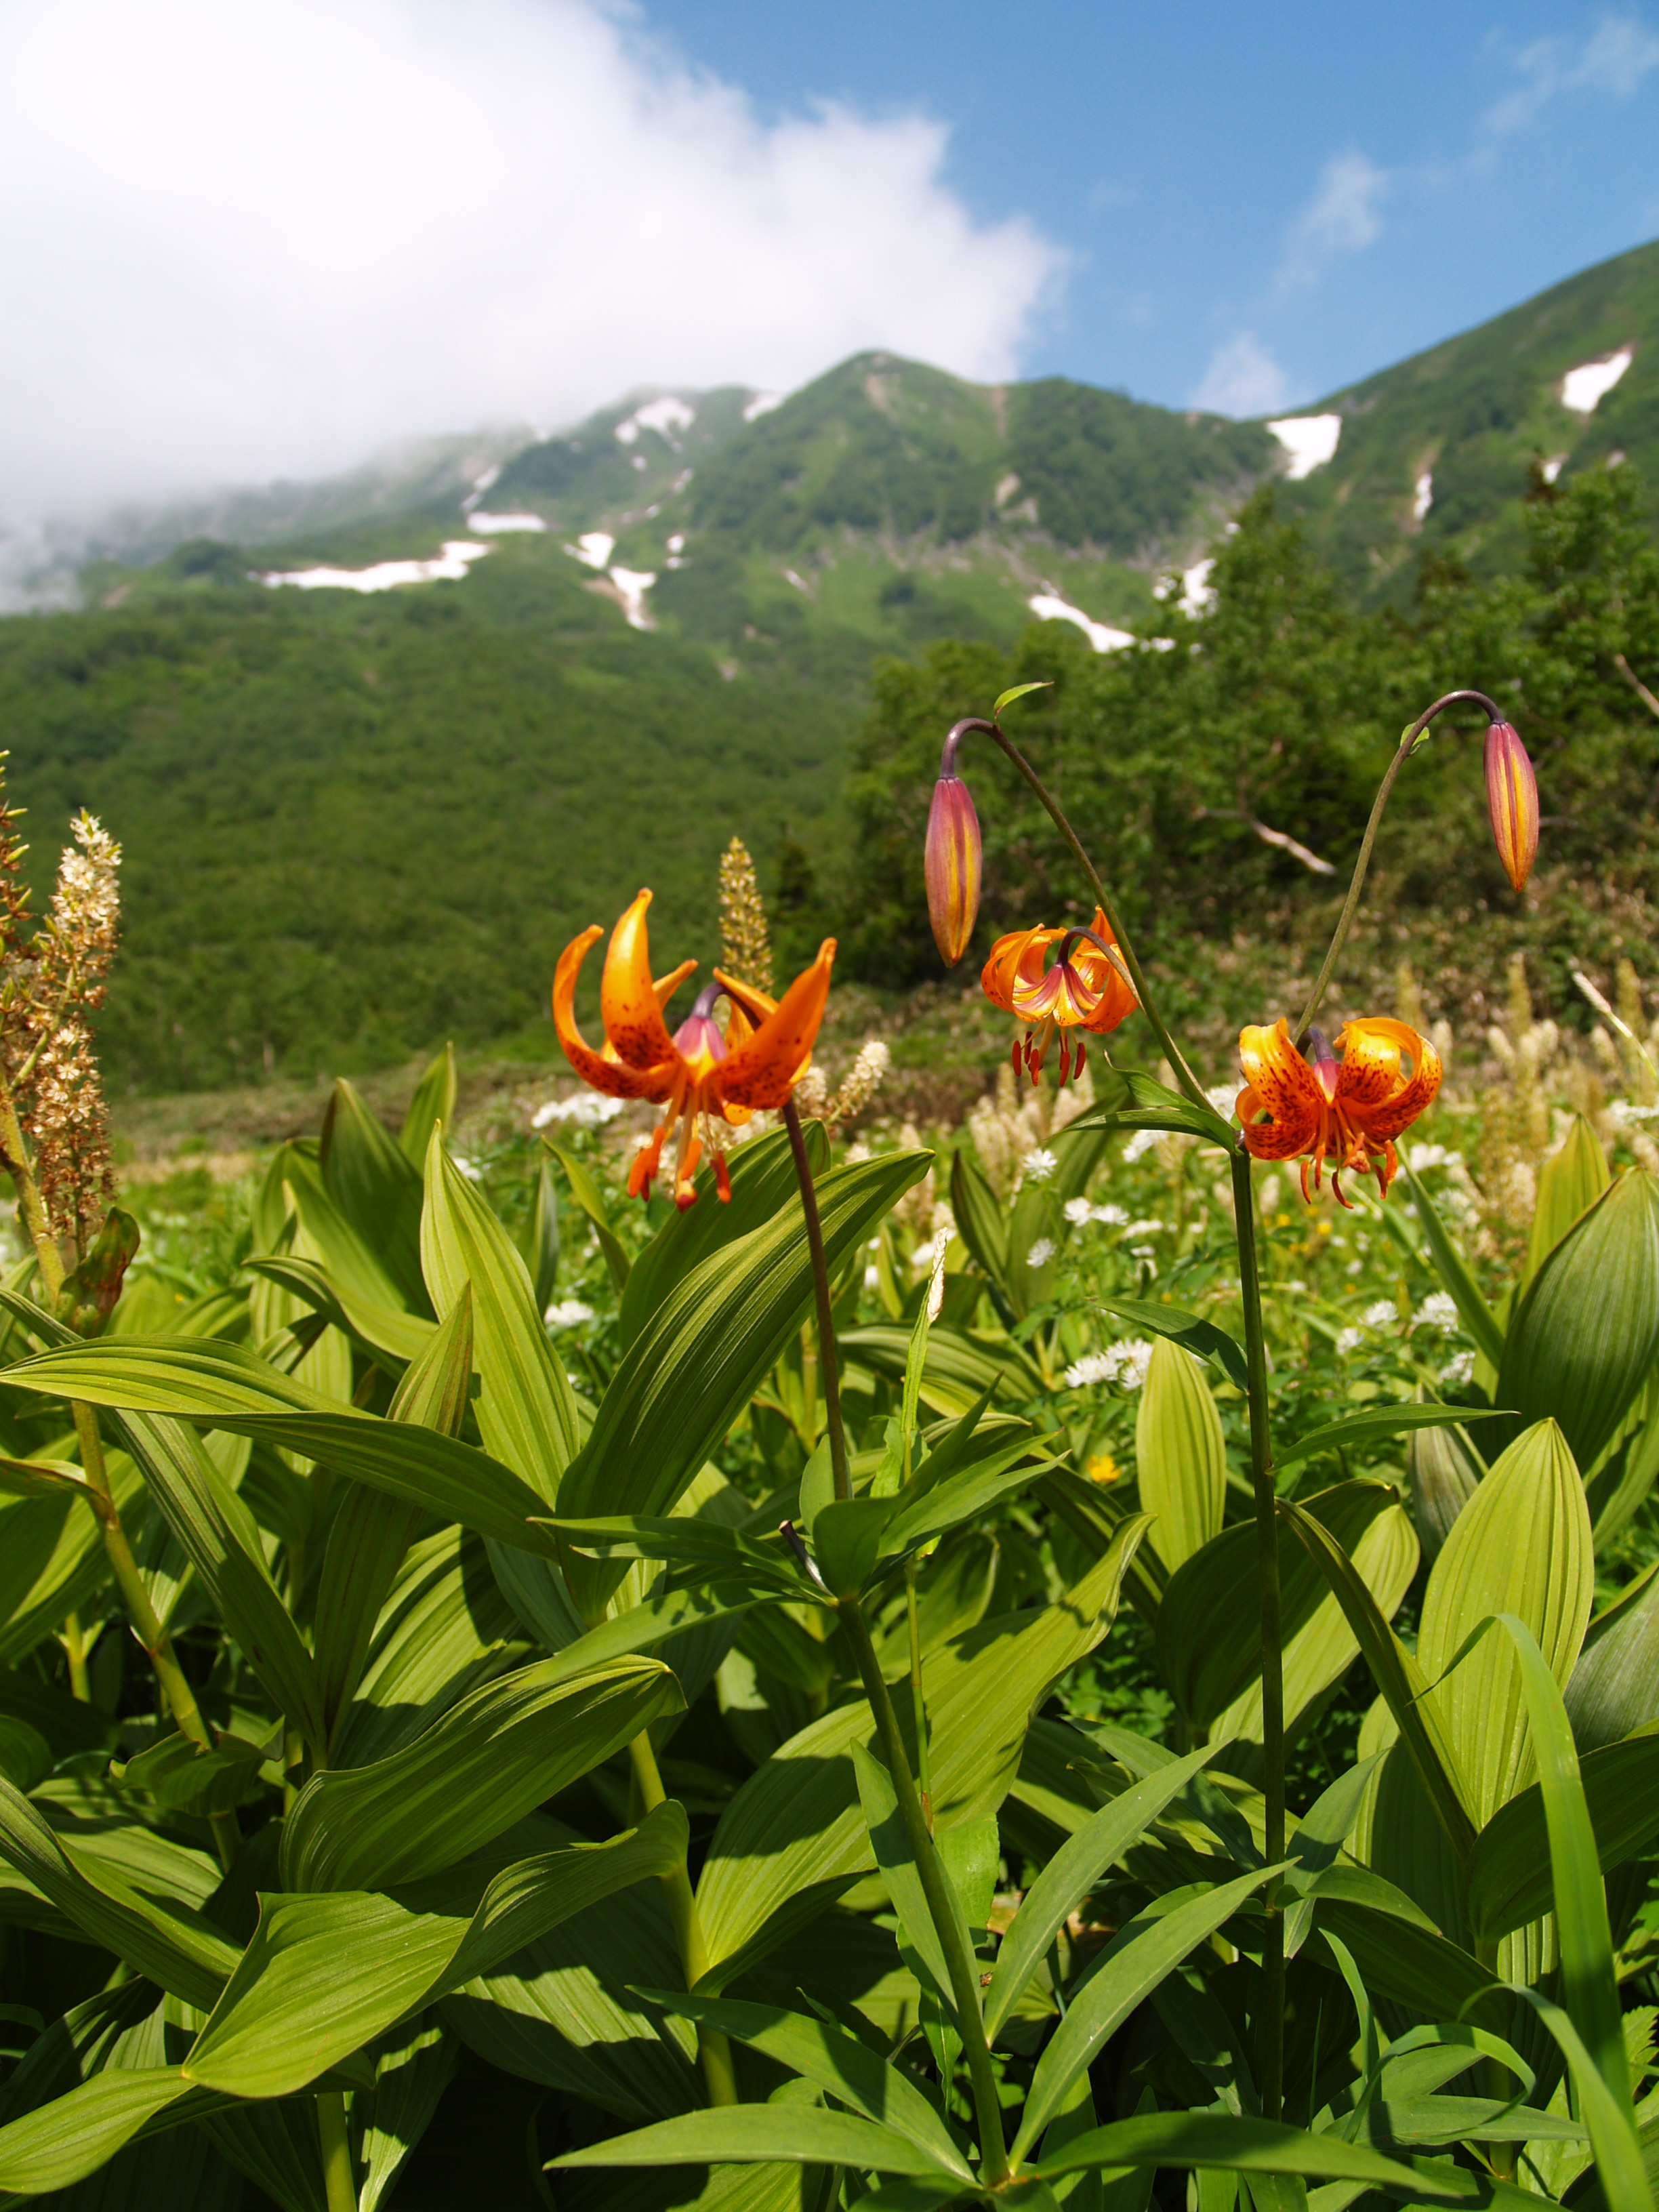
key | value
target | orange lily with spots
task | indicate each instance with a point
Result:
(705, 1077)
(1086, 988)
(1346, 1103)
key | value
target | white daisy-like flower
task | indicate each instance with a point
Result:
(567, 1313)
(1134, 1358)
(1041, 1253)
(1144, 1228)
(1124, 1364)
(1437, 1311)
(1347, 1341)
(1077, 1210)
(1039, 1165)
(1458, 1371)
(587, 1111)
(1382, 1313)
(1109, 1216)
(1140, 1144)
(1093, 1367)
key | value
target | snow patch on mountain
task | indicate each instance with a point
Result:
(1583, 388)
(761, 403)
(593, 547)
(493, 525)
(1049, 606)
(664, 415)
(1309, 441)
(1422, 496)
(632, 585)
(447, 567)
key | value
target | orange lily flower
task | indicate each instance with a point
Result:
(1086, 988)
(1349, 1110)
(703, 1077)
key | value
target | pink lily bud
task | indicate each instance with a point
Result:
(953, 861)
(1512, 802)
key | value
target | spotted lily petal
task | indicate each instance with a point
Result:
(627, 998)
(602, 1071)
(763, 1070)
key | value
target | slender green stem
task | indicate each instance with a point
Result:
(829, 1371)
(1271, 2027)
(146, 1622)
(74, 1646)
(339, 2182)
(953, 1938)
(918, 1702)
(1172, 1052)
(959, 1960)
(1351, 904)
(713, 2048)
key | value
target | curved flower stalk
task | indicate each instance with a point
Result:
(1087, 988)
(707, 1079)
(1345, 1103)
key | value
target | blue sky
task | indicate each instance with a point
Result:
(1258, 204)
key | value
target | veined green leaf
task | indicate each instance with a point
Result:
(325, 1974)
(172, 1944)
(957, 1370)
(898, 1868)
(1181, 1455)
(704, 1351)
(1356, 1431)
(53, 1557)
(414, 2064)
(745, 2135)
(486, 1763)
(1069, 1875)
(1130, 1967)
(1509, 1878)
(230, 1388)
(1569, 1184)
(434, 1101)
(1127, 1099)
(58, 2144)
(1246, 2145)
(585, 1192)
(1614, 1687)
(1194, 1335)
(1621, 2169)
(977, 1214)
(822, 2052)
(525, 1413)
(376, 1186)
(385, 1334)
(1585, 1336)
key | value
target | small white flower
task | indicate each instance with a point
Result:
(1041, 1253)
(469, 1168)
(871, 1278)
(1382, 1313)
(1093, 1367)
(1140, 1144)
(1039, 1165)
(1078, 1211)
(1353, 1267)
(587, 1109)
(1296, 1285)
(1348, 1339)
(1437, 1311)
(1222, 1097)
(1134, 1358)
(1143, 1251)
(1144, 1228)
(1109, 1216)
(567, 1313)
(1458, 1370)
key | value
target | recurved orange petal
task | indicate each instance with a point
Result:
(600, 1070)
(1016, 959)
(1373, 1089)
(634, 1026)
(764, 1069)
(1279, 1083)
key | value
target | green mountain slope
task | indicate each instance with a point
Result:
(1476, 415)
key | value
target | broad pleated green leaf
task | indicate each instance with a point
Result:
(585, 1192)
(1621, 2169)
(762, 1176)
(1521, 1546)
(1510, 1880)
(525, 1413)
(325, 1974)
(385, 1334)
(797, 1820)
(1441, 1474)
(434, 1101)
(1181, 1455)
(414, 2064)
(59, 2143)
(230, 1388)
(1209, 1623)
(978, 1215)
(1569, 1184)
(1359, 1431)
(1614, 1687)
(1585, 1337)
(1191, 1331)
(171, 1944)
(1240, 2142)
(485, 1764)
(1070, 1874)
(820, 2051)
(798, 2135)
(1456, 1274)
(53, 1557)
(1127, 1099)
(377, 1187)
(956, 1373)
(1130, 1967)
(704, 1352)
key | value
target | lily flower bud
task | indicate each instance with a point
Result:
(953, 859)
(1512, 802)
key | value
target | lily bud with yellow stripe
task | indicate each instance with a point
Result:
(1512, 801)
(953, 857)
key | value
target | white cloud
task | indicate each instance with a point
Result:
(1616, 58)
(1243, 379)
(243, 242)
(1341, 218)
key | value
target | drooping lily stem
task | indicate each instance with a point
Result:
(1270, 2029)
(960, 1963)
(1172, 1052)
(1350, 905)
